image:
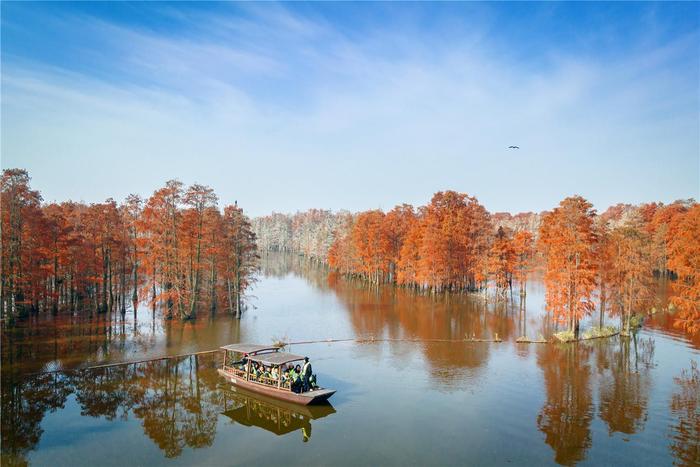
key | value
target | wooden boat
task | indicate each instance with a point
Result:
(238, 372)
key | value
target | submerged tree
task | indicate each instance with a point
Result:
(630, 272)
(19, 205)
(240, 259)
(685, 262)
(567, 240)
(523, 247)
(501, 262)
(96, 258)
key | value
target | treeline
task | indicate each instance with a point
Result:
(588, 260)
(175, 249)
(309, 233)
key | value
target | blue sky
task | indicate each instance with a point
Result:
(355, 105)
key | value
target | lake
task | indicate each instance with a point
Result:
(413, 396)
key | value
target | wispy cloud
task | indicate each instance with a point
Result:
(286, 110)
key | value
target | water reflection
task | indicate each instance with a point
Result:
(623, 368)
(271, 415)
(685, 408)
(24, 403)
(49, 343)
(566, 416)
(624, 383)
(177, 401)
(590, 401)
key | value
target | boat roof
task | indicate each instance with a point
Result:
(277, 358)
(249, 348)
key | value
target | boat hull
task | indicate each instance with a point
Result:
(305, 398)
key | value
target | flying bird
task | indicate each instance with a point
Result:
(513, 147)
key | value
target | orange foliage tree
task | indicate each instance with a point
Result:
(523, 247)
(436, 248)
(567, 239)
(501, 262)
(684, 261)
(97, 257)
(630, 266)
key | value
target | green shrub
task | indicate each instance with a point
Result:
(565, 336)
(605, 331)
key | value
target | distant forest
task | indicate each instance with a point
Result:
(591, 263)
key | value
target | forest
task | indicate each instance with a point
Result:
(604, 264)
(176, 249)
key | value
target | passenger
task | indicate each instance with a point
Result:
(297, 379)
(312, 382)
(294, 381)
(274, 374)
(242, 362)
(287, 377)
(306, 374)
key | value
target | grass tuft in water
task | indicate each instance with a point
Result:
(594, 333)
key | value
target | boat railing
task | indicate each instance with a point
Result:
(235, 371)
(265, 380)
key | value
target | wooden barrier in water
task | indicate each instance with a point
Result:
(366, 340)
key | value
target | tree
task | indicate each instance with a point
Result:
(372, 244)
(501, 261)
(131, 212)
(684, 261)
(523, 248)
(18, 202)
(199, 198)
(409, 255)
(240, 256)
(396, 225)
(567, 239)
(630, 261)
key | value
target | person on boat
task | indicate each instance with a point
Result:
(274, 373)
(256, 370)
(294, 380)
(306, 374)
(242, 362)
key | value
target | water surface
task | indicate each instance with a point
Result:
(606, 402)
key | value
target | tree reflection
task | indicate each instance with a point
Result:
(685, 407)
(177, 401)
(565, 418)
(24, 403)
(624, 383)
(396, 313)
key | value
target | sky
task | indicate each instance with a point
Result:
(290, 106)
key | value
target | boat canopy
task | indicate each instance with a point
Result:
(249, 348)
(277, 358)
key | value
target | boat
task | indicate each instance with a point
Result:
(275, 416)
(237, 365)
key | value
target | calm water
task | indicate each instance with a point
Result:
(611, 402)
